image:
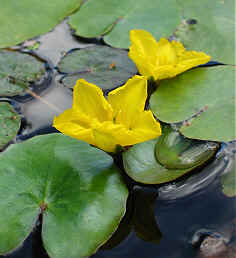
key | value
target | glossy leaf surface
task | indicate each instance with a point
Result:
(75, 186)
(208, 94)
(141, 165)
(210, 27)
(173, 150)
(21, 20)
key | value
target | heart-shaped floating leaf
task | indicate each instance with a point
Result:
(75, 186)
(104, 66)
(18, 71)
(212, 31)
(228, 180)
(208, 92)
(141, 165)
(116, 18)
(9, 123)
(21, 20)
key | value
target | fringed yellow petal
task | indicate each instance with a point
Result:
(165, 53)
(169, 71)
(143, 47)
(116, 134)
(146, 121)
(119, 121)
(142, 44)
(146, 127)
(128, 100)
(104, 141)
(162, 59)
(187, 59)
(106, 136)
(70, 124)
(89, 100)
(165, 71)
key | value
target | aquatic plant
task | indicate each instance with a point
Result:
(153, 128)
(162, 59)
(119, 120)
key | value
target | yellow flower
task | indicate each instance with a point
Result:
(161, 59)
(118, 120)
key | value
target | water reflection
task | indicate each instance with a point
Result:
(209, 175)
(53, 48)
(195, 204)
(143, 224)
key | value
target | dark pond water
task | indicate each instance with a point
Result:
(167, 221)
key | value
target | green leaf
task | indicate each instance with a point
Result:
(207, 92)
(18, 71)
(104, 66)
(141, 165)
(75, 186)
(228, 180)
(21, 20)
(116, 18)
(174, 151)
(214, 31)
(9, 123)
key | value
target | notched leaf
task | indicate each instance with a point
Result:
(209, 31)
(73, 185)
(114, 21)
(27, 19)
(204, 98)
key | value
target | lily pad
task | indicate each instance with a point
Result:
(104, 66)
(228, 180)
(116, 18)
(212, 31)
(9, 123)
(206, 95)
(75, 187)
(21, 20)
(141, 165)
(18, 71)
